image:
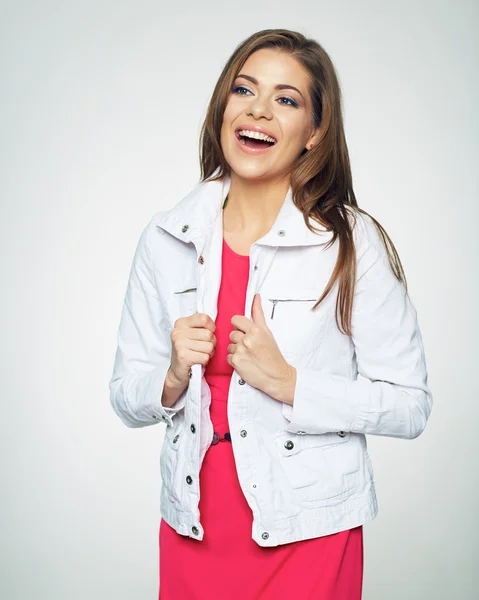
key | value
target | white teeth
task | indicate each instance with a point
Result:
(256, 135)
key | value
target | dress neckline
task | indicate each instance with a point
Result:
(228, 248)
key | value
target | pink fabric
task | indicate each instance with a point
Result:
(228, 563)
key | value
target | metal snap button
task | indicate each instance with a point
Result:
(241, 381)
(282, 232)
(265, 535)
(189, 480)
(256, 267)
(195, 530)
(201, 260)
(341, 433)
(185, 228)
(175, 439)
(289, 445)
(193, 428)
(243, 433)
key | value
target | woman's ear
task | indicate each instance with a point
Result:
(313, 140)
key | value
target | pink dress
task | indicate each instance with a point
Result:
(228, 563)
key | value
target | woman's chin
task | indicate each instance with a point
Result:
(252, 169)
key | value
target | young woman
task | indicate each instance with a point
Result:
(268, 324)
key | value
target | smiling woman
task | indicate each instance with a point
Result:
(268, 312)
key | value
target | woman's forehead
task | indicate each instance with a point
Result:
(272, 67)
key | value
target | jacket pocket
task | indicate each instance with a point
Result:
(185, 301)
(297, 328)
(322, 469)
(170, 461)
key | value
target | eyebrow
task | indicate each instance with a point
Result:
(280, 86)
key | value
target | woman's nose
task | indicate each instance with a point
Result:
(260, 107)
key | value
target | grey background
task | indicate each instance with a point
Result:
(100, 109)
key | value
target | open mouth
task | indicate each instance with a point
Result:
(254, 140)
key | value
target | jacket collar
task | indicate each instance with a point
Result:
(194, 218)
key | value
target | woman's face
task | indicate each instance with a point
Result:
(263, 99)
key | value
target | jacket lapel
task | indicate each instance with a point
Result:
(195, 218)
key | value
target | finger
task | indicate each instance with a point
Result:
(231, 348)
(201, 358)
(257, 313)
(180, 333)
(201, 333)
(199, 320)
(200, 346)
(241, 323)
(236, 336)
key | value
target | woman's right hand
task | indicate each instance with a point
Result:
(193, 341)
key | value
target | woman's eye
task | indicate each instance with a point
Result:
(293, 103)
(242, 91)
(237, 88)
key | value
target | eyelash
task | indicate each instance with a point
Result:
(239, 87)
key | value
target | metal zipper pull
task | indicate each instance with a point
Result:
(275, 302)
(188, 290)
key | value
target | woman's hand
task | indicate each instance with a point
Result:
(255, 355)
(193, 341)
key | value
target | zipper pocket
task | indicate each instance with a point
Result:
(188, 290)
(276, 300)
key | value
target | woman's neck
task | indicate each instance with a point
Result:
(252, 206)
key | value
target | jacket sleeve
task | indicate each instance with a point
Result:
(143, 347)
(390, 394)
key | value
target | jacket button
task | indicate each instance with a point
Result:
(243, 433)
(241, 381)
(288, 444)
(154, 416)
(193, 428)
(189, 480)
(201, 260)
(341, 433)
(265, 535)
(175, 439)
(195, 530)
(282, 232)
(185, 228)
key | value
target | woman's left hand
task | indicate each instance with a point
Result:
(255, 356)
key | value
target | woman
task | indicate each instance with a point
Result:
(267, 322)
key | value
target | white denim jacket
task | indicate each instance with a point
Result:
(304, 469)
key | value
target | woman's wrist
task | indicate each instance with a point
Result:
(283, 387)
(172, 389)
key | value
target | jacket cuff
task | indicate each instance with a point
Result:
(322, 404)
(155, 391)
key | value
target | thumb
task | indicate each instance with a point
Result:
(257, 312)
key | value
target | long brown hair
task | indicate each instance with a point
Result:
(321, 179)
